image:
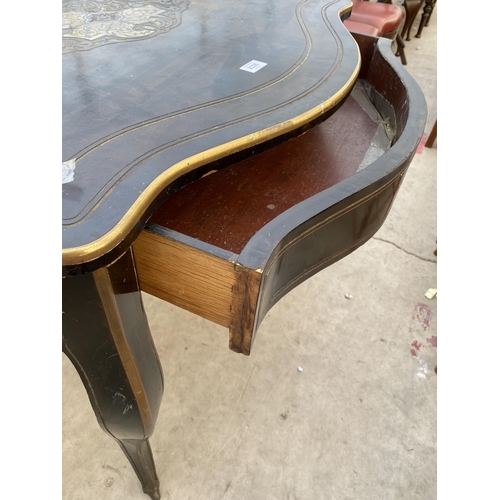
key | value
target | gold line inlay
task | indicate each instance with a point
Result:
(105, 290)
(97, 248)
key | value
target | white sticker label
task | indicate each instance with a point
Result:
(253, 66)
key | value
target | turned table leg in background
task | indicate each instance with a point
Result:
(426, 15)
(106, 336)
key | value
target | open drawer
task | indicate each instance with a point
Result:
(229, 245)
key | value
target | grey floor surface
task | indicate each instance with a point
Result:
(359, 422)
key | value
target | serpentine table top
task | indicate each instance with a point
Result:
(155, 90)
(156, 95)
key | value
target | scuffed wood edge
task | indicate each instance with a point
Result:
(246, 294)
(214, 288)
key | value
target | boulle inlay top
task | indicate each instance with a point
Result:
(88, 24)
(153, 90)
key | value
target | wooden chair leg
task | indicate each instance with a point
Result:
(432, 136)
(411, 7)
(430, 14)
(401, 49)
(424, 21)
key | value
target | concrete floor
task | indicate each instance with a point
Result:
(359, 422)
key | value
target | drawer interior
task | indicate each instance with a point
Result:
(226, 207)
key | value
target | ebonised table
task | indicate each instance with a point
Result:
(168, 104)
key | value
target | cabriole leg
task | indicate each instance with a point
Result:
(106, 336)
(138, 452)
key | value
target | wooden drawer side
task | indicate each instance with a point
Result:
(207, 285)
(185, 276)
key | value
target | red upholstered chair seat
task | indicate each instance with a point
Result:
(383, 16)
(377, 19)
(366, 29)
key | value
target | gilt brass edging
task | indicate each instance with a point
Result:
(91, 251)
(105, 291)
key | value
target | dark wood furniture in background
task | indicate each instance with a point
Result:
(161, 116)
(432, 136)
(426, 15)
(412, 8)
(378, 19)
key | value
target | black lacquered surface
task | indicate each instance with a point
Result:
(142, 107)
